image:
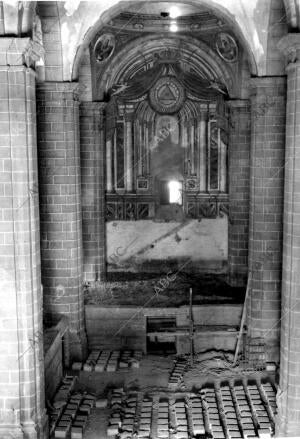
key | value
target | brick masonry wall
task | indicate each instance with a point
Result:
(289, 391)
(60, 206)
(85, 77)
(92, 150)
(239, 187)
(268, 106)
(22, 406)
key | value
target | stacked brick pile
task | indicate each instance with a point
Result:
(270, 397)
(129, 417)
(102, 361)
(110, 361)
(214, 422)
(255, 353)
(115, 422)
(177, 374)
(144, 426)
(244, 412)
(264, 422)
(91, 361)
(65, 389)
(231, 423)
(163, 419)
(232, 411)
(197, 416)
(181, 420)
(113, 361)
(73, 417)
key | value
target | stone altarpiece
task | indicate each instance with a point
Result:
(166, 123)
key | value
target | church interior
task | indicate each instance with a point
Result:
(150, 219)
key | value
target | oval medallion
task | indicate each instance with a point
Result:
(167, 96)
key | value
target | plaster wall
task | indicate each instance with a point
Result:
(139, 245)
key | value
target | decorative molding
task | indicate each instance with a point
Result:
(129, 210)
(142, 184)
(207, 209)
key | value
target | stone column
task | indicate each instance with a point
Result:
(268, 103)
(238, 190)
(184, 144)
(223, 166)
(140, 148)
(192, 148)
(146, 150)
(22, 405)
(128, 151)
(109, 183)
(92, 147)
(288, 399)
(60, 203)
(202, 136)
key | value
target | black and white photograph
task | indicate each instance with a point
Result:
(150, 219)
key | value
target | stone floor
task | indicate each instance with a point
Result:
(139, 403)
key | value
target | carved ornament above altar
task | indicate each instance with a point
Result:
(227, 47)
(167, 95)
(104, 47)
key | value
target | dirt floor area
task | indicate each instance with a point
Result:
(171, 289)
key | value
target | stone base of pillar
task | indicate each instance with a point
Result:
(39, 430)
(285, 428)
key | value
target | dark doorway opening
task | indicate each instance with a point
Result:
(161, 337)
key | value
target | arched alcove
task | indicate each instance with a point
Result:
(139, 159)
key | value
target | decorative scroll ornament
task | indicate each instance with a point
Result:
(167, 95)
(104, 47)
(226, 47)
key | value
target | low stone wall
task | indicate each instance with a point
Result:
(53, 362)
(116, 328)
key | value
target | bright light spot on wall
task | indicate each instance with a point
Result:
(65, 34)
(173, 26)
(40, 62)
(174, 12)
(175, 188)
(71, 6)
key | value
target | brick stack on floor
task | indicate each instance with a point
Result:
(177, 373)
(231, 411)
(255, 353)
(110, 361)
(71, 410)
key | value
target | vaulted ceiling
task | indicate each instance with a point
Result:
(68, 27)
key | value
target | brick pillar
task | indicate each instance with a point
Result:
(288, 422)
(268, 102)
(60, 204)
(22, 405)
(92, 146)
(238, 187)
